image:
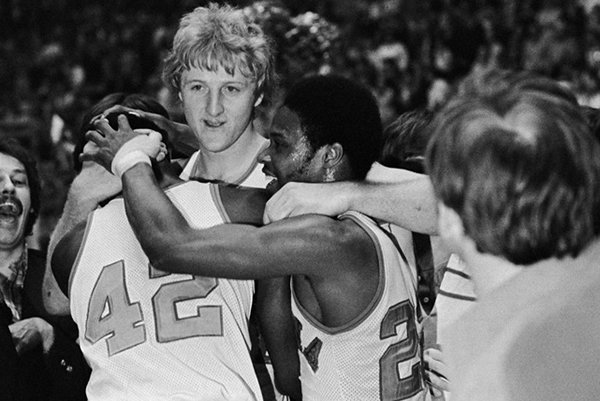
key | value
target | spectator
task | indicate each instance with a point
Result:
(45, 361)
(519, 144)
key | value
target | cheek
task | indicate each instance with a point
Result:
(25, 197)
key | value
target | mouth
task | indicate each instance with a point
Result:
(273, 185)
(214, 123)
(10, 208)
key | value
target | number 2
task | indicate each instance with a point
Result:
(392, 387)
(113, 316)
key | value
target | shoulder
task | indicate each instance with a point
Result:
(242, 204)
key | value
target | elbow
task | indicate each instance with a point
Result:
(162, 251)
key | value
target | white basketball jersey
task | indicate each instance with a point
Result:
(377, 356)
(151, 335)
(253, 178)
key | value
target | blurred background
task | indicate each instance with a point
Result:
(58, 57)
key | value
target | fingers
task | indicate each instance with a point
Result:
(95, 137)
(162, 153)
(435, 369)
(119, 109)
(102, 127)
(275, 208)
(123, 123)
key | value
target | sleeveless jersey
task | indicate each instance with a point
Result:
(253, 178)
(377, 356)
(151, 335)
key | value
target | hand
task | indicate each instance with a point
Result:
(296, 198)
(30, 333)
(107, 142)
(176, 131)
(436, 374)
(95, 183)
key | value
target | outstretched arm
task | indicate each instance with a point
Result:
(409, 204)
(317, 245)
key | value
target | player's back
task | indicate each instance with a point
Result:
(377, 355)
(148, 334)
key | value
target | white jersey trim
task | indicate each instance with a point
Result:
(372, 306)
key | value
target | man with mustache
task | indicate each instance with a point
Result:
(352, 292)
(40, 361)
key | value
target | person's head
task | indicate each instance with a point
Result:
(20, 196)
(516, 171)
(221, 67)
(405, 140)
(135, 101)
(327, 129)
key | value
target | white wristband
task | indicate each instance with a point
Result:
(123, 162)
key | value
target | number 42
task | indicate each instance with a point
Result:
(112, 315)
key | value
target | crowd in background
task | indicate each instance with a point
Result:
(61, 56)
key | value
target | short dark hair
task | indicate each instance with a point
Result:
(134, 100)
(13, 148)
(520, 167)
(335, 109)
(405, 140)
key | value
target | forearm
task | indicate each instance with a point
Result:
(78, 206)
(278, 330)
(410, 204)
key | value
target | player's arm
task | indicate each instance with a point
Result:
(312, 244)
(409, 204)
(181, 136)
(65, 255)
(279, 332)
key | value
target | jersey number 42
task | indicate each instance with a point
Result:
(112, 315)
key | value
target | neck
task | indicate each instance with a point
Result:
(10, 256)
(488, 271)
(232, 163)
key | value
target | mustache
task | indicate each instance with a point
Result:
(4, 198)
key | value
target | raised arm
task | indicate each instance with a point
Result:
(90, 187)
(64, 256)
(181, 135)
(409, 204)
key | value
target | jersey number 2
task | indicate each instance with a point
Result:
(392, 387)
(113, 316)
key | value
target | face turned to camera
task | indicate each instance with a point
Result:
(218, 106)
(15, 202)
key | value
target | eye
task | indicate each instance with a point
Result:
(19, 181)
(196, 87)
(230, 89)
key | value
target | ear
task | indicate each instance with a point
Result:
(450, 225)
(333, 155)
(259, 100)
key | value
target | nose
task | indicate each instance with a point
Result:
(8, 187)
(264, 156)
(215, 104)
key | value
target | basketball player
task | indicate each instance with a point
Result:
(149, 334)
(352, 295)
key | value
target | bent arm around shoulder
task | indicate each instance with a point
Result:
(409, 204)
